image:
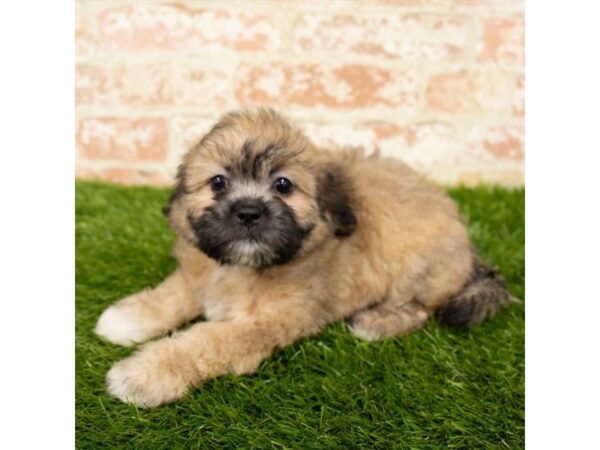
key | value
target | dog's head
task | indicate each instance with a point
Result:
(255, 192)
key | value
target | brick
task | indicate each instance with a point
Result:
(467, 91)
(337, 87)
(401, 2)
(451, 154)
(84, 38)
(487, 6)
(142, 84)
(503, 41)
(195, 85)
(186, 132)
(430, 147)
(518, 105)
(421, 145)
(124, 176)
(495, 142)
(452, 92)
(123, 84)
(92, 85)
(338, 134)
(122, 139)
(411, 38)
(177, 27)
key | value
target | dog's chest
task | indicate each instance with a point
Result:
(217, 309)
(228, 294)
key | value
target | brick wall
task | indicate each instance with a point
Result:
(437, 83)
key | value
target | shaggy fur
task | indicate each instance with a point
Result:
(356, 237)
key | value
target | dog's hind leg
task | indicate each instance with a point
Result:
(392, 317)
(148, 313)
(412, 298)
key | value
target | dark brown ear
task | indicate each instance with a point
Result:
(177, 191)
(335, 198)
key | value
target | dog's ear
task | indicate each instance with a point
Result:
(335, 198)
(177, 191)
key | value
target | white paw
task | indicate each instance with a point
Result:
(125, 384)
(148, 378)
(116, 326)
(364, 333)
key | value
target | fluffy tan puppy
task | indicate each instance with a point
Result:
(278, 238)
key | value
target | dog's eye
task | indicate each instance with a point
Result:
(218, 182)
(283, 185)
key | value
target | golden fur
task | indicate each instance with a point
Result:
(385, 248)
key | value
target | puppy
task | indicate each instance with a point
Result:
(278, 238)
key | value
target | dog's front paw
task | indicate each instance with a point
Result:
(153, 376)
(119, 326)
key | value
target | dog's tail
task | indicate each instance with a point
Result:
(482, 296)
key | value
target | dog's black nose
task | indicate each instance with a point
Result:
(249, 214)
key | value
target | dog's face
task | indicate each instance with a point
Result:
(253, 193)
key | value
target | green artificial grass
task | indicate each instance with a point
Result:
(436, 388)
